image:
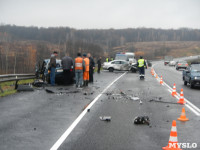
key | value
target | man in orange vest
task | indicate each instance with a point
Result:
(79, 66)
(86, 72)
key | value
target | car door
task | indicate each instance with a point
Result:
(187, 74)
(124, 65)
(117, 65)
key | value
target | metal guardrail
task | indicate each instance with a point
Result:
(16, 77)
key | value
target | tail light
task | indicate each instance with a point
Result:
(71, 70)
(179, 64)
(186, 64)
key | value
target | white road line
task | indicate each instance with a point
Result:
(191, 106)
(74, 124)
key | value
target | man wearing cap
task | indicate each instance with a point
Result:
(141, 64)
(86, 72)
(52, 65)
(79, 66)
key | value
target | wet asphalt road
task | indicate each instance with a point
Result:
(36, 120)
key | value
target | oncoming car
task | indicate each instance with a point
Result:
(59, 76)
(120, 65)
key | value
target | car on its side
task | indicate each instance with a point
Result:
(192, 75)
(120, 65)
(181, 64)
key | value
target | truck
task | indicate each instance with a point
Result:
(167, 59)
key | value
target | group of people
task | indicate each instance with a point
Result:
(83, 65)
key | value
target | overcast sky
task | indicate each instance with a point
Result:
(101, 14)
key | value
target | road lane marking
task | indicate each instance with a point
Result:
(74, 124)
(188, 104)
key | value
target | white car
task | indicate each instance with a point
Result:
(172, 63)
(121, 65)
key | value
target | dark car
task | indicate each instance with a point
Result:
(44, 73)
(192, 75)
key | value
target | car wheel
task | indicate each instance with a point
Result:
(191, 85)
(185, 82)
(177, 68)
(111, 69)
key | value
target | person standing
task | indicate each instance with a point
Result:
(141, 64)
(86, 71)
(92, 66)
(67, 65)
(52, 65)
(79, 68)
(99, 64)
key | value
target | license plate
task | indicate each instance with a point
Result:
(60, 70)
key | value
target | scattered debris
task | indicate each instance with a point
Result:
(167, 106)
(88, 110)
(134, 98)
(142, 120)
(159, 100)
(39, 83)
(49, 91)
(24, 87)
(34, 128)
(140, 102)
(105, 118)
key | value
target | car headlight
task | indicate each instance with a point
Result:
(196, 78)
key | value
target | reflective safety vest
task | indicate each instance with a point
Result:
(79, 63)
(106, 59)
(140, 62)
(87, 64)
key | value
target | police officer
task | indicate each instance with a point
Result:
(86, 71)
(79, 68)
(141, 65)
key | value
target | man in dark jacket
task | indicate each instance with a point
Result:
(52, 65)
(92, 66)
(67, 65)
(99, 64)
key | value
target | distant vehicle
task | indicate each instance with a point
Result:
(181, 64)
(192, 75)
(121, 65)
(45, 73)
(172, 63)
(167, 59)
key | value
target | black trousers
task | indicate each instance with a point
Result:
(99, 68)
(91, 71)
(141, 70)
(67, 76)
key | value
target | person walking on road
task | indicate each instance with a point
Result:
(99, 64)
(86, 72)
(79, 69)
(92, 66)
(141, 65)
(67, 64)
(52, 65)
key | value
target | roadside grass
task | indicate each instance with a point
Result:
(8, 88)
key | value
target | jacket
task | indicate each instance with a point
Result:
(79, 64)
(67, 63)
(52, 61)
(141, 63)
(87, 63)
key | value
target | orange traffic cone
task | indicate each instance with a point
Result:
(183, 116)
(173, 139)
(174, 90)
(152, 73)
(156, 76)
(181, 100)
(161, 80)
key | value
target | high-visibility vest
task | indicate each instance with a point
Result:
(87, 64)
(79, 63)
(106, 59)
(140, 62)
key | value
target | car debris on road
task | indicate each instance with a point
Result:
(105, 118)
(142, 120)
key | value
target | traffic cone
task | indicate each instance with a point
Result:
(174, 90)
(183, 116)
(181, 100)
(156, 76)
(173, 139)
(152, 73)
(161, 80)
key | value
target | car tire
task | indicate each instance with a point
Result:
(191, 85)
(177, 68)
(111, 69)
(185, 82)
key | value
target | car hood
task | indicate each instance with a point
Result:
(195, 74)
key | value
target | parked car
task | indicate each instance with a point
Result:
(120, 65)
(172, 63)
(44, 73)
(167, 59)
(181, 64)
(192, 75)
